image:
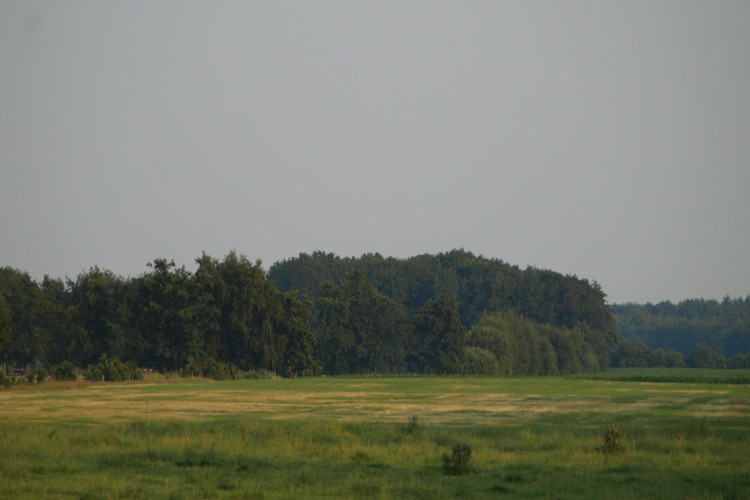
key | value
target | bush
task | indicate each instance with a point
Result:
(479, 361)
(459, 462)
(65, 371)
(113, 370)
(412, 425)
(613, 442)
(210, 368)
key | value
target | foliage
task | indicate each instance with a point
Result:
(113, 370)
(358, 328)
(65, 371)
(613, 442)
(412, 425)
(4, 322)
(210, 368)
(311, 315)
(437, 337)
(722, 326)
(459, 461)
(479, 284)
(479, 361)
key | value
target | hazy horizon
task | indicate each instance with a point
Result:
(609, 140)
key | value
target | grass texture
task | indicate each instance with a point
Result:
(375, 438)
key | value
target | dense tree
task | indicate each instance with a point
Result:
(367, 314)
(23, 298)
(300, 340)
(359, 329)
(52, 332)
(437, 337)
(4, 322)
(168, 316)
(724, 326)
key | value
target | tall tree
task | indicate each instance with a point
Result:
(168, 315)
(4, 322)
(437, 337)
(93, 318)
(23, 299)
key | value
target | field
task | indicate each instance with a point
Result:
(687, 437)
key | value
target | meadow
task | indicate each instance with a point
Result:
(686, 437)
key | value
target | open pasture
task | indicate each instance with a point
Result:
(357, 437)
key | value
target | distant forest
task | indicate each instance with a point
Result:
(707, 333)
(450, 313)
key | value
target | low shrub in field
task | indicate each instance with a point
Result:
(259, 374)
(613, 442)
(66, 371)
(210, 368)
(412, 425)
(113, 370)
(459, 462)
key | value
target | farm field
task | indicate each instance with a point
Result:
(378, 438)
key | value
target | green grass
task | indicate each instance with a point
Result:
(352, 438)
(687, 375)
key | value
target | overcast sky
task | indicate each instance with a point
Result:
(610, 140)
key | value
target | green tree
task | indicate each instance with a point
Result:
(168, 316)
(93, 318)
(295, 324)
(336, 340)
(244, 308)
(26, 343)
(438, 337)
(359, 329)
(53, 335)
(4, 322)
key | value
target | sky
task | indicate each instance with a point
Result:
(604, 139)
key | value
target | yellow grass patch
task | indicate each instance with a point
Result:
(359, 401)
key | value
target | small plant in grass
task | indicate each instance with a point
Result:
(613, 442)
(459, 462)
(412, 425)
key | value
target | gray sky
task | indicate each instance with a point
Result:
(610, 140)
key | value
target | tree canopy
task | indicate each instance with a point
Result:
(452, 312)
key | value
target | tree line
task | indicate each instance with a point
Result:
(318, 313)
(696, 332)
(452, 312)
(226, 313)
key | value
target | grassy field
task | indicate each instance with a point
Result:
(376, 438)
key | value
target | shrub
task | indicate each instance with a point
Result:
(113, 370)
(613, 441)
(210, 368)
(412, 425)
(459, 462)
(65, 371)
(479, 361)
